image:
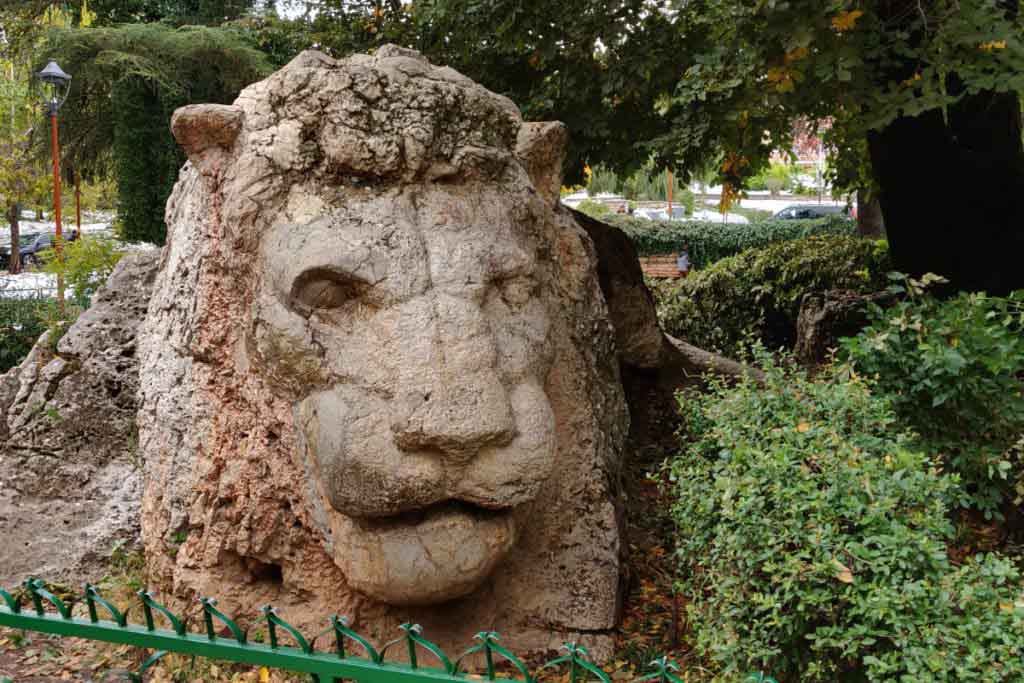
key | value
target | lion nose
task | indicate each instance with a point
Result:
(454, 400)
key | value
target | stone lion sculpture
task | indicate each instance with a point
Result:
(377, 373)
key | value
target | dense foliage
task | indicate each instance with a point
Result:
(21, 324)
(87, 263)
(709, 241)
(127, 81)
(764, 66)
(953, 371)
(812, 539)
(915, 98)
(757, 293)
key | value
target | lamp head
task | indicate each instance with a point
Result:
(54, 75)
(59, 84)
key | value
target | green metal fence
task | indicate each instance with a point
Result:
(47, 613)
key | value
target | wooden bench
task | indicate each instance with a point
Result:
(663, 266)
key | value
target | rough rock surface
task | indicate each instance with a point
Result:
(71, 485)
(639, 339)
(378, 373)
(825, 317)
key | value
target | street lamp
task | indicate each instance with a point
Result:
(57, 85)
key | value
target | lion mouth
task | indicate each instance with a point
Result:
(425, 556)
(420, 515)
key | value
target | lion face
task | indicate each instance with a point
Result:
(411, 330)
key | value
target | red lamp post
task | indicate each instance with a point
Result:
(57, 84)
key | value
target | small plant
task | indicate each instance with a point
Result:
(87, 263)
(57, 321)
(125, 574)
(953, 369)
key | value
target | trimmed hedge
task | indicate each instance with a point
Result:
(757, 293)
(812, 539)
(709, 241)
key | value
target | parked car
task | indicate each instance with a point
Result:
(24, 241)
(32, 255)
(799, 211)
(678, 214)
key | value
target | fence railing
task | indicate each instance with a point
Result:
(47, 613)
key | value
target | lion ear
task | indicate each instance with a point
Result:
(205, 131)
(541, 149)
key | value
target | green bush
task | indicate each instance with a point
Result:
(594, 209)
(953, 370)
(758, 292)
(709, 241)
(88, 262)
(774, 178)
(602, 180)
(21, 324)
(812, 542)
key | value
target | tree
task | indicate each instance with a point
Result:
(127, 81)
(21, 175)
(924, 94)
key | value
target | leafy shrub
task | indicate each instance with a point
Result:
(88, 262)
(594, 209)
(602, 179)
(953, 370)
(21, 325)
(758, 293)
(774, 178)
(709, 241)
(812, 539)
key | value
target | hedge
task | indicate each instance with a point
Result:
(757, 293)
(709, 241)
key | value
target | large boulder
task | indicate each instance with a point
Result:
(378, 375)
(72, 483)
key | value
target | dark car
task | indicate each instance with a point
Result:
(24, 241)
(800, 211)
(32, 255)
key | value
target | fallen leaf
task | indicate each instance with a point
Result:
(843, 572)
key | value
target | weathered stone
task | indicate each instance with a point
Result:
(826, 317)
(541, 148)
(71, 485)
(378, 372)
(641, 343)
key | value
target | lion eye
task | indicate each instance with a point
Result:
(516, 291)
(321, 290)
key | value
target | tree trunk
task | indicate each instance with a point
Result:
(14, 216)
(869, 216)
(952, 194)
